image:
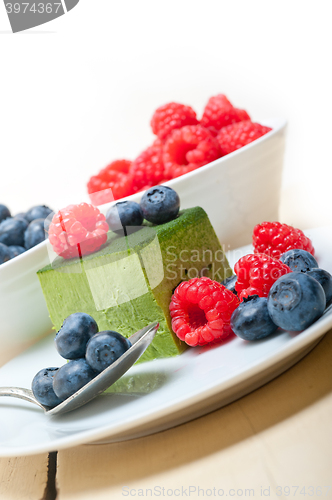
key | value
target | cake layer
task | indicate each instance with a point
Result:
(129, 282)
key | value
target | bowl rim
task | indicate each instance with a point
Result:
(277, 124)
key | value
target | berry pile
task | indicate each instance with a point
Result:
(290, 293)
(21, 232)
(89, 352)
(265, 293)
(183, 143)
(82, 229)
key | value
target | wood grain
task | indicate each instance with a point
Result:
(23, 478)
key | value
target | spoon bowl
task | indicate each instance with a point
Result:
(139, 340)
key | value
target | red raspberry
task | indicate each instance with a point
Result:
(148, 168)
(201, 311)
(77, 230)
(274, 238)
(112, 183)
(240, 134)
(256, 273)
(189, 148)
(172, 116)
(219, 113)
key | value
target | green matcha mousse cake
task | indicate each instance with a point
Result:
(129, 282)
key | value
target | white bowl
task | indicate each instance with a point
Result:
(237, 192)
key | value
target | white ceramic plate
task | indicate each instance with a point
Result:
(159, 394)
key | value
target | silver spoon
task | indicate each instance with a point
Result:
(139, 340)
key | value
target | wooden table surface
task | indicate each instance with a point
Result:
(276, 440)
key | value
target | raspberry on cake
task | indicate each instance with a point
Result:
(172, 116)
(239, 134)
(275, 238)
(201, 311)
(77, 230)
(189, 148)
(111, 183)
(256, 273)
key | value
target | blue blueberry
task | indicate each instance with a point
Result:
(251, 319)
(295, 301)
(73, 336)
(325, 279)
(12, 231)
(124, 214)
(299, 260)
(160, 204)
(4, 253)
(37, 212)
(34, 234)
(4, 212)
(105, 348)
(230, 283)
(42, 387)
(15, 250)
(71, 377)
(21, 215)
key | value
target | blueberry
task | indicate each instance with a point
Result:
(71, 377)
(38, 212)
(105, 348)
(325, 279)
(42, 387)
(230, 283)
(4, 212)
(251, 320)
(21, 215)
(160, 204)
(295, 301)
(73, 336)
(299, 260)
(4, 253)
(123, 214)
(34, 234)
(15, 250)
(12, 231)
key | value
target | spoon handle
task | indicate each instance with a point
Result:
(20, 393)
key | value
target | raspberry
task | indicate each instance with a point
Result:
(239, 134)
(111, 183)
(189, 148)
(274, 239)
(219, 113)
(77, 230)
(256, 273)
(148, 168)
(201, 311)
(172, 116)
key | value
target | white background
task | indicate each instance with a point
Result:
(79, 92)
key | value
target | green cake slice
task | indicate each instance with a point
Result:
(129, 282)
